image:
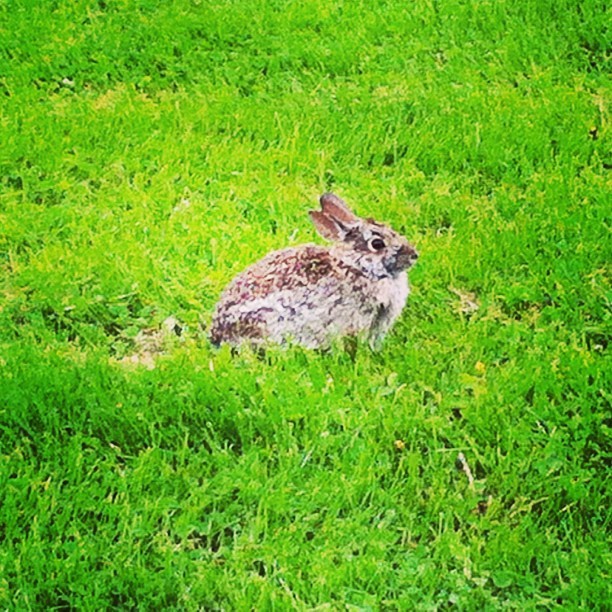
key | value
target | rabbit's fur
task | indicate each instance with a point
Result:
(312, 294)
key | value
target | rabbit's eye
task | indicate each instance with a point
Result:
(377, 244)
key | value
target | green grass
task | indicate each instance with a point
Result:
(150, 151)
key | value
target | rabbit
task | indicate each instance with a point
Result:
(311, 294)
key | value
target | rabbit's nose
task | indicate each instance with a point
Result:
(411, 253)
(407, 256)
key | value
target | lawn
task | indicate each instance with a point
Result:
(150, 151)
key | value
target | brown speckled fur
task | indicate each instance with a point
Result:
(311, 294)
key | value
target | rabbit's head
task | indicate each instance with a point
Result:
(374, 248)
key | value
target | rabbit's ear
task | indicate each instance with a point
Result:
(336, 208)
(327, 226)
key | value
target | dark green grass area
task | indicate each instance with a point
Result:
(149, 151)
